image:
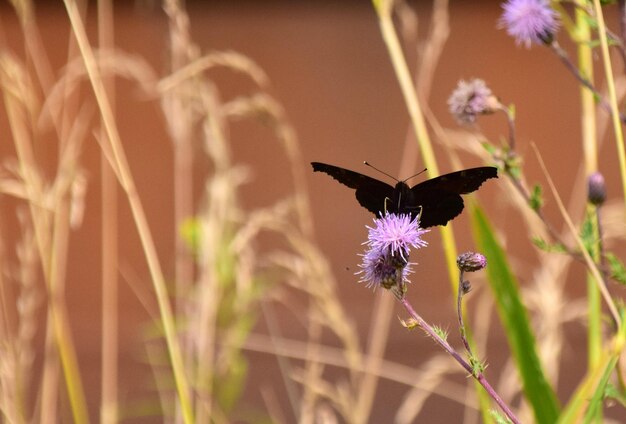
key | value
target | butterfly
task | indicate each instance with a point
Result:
(438, 200)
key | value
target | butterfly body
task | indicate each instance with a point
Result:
(438, 199)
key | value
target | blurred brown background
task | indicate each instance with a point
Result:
(331, 71)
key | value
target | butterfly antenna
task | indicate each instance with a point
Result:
(382, 172)
(392, 177)
(415, 175)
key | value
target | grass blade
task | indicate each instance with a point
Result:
(514, 318)
(589, 396)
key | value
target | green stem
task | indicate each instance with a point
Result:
(610, 82)
(589, 131)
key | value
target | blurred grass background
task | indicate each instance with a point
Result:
(329, 71)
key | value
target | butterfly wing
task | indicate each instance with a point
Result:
(437, 207)
(370, 192)
(460, 182)
(440, 198)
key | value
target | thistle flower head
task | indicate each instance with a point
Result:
(471, 99)
(470, 261)
(529, 21)
(379, 268)
(386, 260)
(396, 233)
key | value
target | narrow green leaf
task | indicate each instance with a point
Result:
(229, 387)
(548, 247)
(584, 404)
(537, 390)
(512, 111)
(618, 271)
(511, 163)
(191, 232)
(612, 392)
(588, 235)
(536, 198)
(490, 148)
(594, 410)
(499, 418)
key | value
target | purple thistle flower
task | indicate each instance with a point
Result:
(379, 268)
(529, 21)
(389, 241)
(471, 99)
(396, 233)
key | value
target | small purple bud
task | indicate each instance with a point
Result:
(470, 261)
(596, 189)
(466, 286)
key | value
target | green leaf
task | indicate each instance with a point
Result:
(512, 165)
(618, 271)
(588, 235)
(512, 111)
(190, 231)
(536, 198)
(594, 409)
(229, 387)
(547, 247)
(499, 418)
(612, 392)
(586, 401)
(478, 367)
(514, 169)
(490, 148)
(440, 332)
(513, 316)
(591, 21)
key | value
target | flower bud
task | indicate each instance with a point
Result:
(466, 286)
(596, 193)
(470, 261)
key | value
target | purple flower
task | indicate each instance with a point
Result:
(529, 21)
(396, 234)
(389, 241)
(379, 268)
(471, 99)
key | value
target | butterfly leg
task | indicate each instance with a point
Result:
(412, 210)
(386, 200)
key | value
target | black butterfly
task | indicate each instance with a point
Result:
(438, 199)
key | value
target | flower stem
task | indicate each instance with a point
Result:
(479, 376)
(610, 82)
(510, 157)
(459, 297)
(562, 54)
(511, 123)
